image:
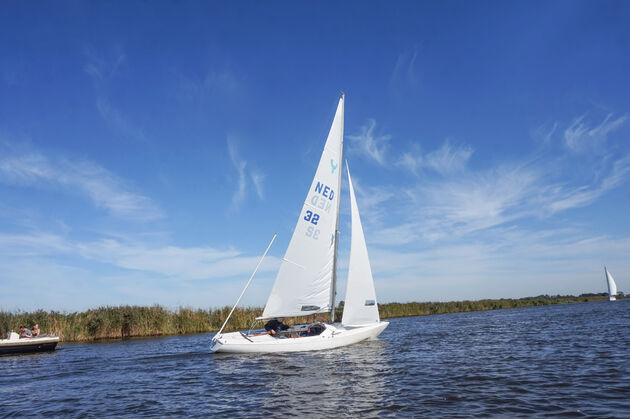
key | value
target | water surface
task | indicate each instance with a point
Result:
(571, 359)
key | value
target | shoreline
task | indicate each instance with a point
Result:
(125, 322)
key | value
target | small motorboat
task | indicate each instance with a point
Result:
(14, 344)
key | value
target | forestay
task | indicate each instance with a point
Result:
(360, 306)
(304, 282)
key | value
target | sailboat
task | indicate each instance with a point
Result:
(306, 281)
(612, 287)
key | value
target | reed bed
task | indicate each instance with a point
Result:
(128, 321)
(136, 321)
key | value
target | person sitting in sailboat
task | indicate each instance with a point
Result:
(313, 329)
(275, 325)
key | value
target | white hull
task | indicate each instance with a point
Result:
(612, 298)
(334, 336)
(17, 345)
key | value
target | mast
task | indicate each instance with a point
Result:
(333, 289)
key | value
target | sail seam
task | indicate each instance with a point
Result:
(293, 263)
(311, 205)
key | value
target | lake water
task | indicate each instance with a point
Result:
(571, 359)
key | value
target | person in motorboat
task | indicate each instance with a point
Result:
(35, 332)
(24, 332)
(275, 325)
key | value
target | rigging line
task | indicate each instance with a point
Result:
(246, 285)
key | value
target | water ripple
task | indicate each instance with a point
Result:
(564, 360)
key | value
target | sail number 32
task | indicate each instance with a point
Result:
(313, 218)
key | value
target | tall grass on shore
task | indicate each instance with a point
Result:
(135, 321)
(128, 321)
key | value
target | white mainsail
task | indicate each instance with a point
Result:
(612, 287)
(360, 306)
(304, 284)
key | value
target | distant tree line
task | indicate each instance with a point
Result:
(602, 294)
(136, 321)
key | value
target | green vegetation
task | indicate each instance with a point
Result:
(133, 321)
(128, 321)
(393, 310)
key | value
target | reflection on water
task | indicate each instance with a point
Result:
(554, 360)
(296, 384)
(300, 384)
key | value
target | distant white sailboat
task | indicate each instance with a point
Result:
(612, 287)
(306, 281)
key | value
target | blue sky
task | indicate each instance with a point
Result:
(149, 151)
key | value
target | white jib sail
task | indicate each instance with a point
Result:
(612, 287)
(360, 304)
(304, 281)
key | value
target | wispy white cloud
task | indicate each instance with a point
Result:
(221, 80)
(258, 179)
(475, 200)
(404, 75)
(368, 144)
(446, 160)
(117, 120)
(224, 82)
(244, 175)
(544, 133)
(192, 263)
(619, 174)
(504, 262)
(105, 189)
(63, 271)
(579, 137)
(239, 165)
(566, 198)
(411, 160)
(576, 197)
(102, 70)
(398, 235)
(178, 263)
(33, 244)
(373, 199)
(463, 200)
(479, 200)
